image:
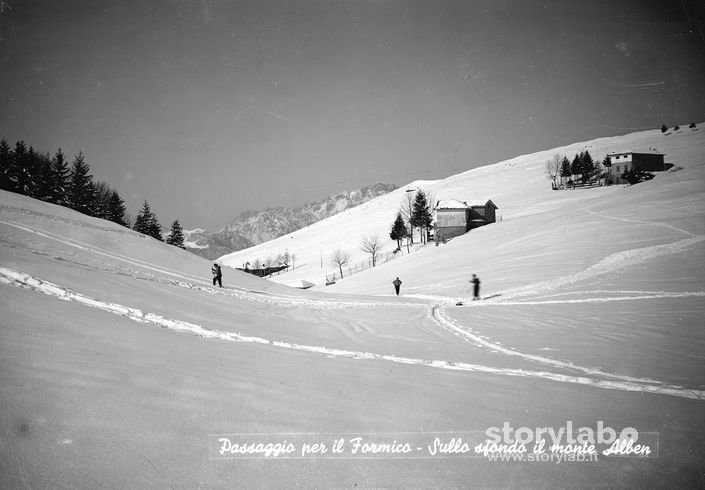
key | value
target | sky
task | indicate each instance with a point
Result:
(210, 108)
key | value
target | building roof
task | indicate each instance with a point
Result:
(451, 204)
(489, 201)
(630, 152)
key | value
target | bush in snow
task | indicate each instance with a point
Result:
(634, 176)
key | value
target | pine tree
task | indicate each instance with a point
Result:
(575, 166)
(587, 166)
(116, 209)
(16, 169)
(45, 178)
(5, 164)
(147, 223)
(81, 195)
(102, 194)
(421, 213)
(155, 229)
(399, 231)
(176, 236)
(565, 168)
(59, 179)
(31, 177)
(143, 215)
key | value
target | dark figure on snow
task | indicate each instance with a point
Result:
(397, 285)
(217, 275)
(475, 287)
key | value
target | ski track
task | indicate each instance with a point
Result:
(25, 281)
(188, 280)
(443, 320)
(611, 263)
(641, 222)
(685, 294)
(436, 312)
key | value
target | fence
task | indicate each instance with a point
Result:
(381, 258)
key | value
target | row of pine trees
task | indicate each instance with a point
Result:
(582, 168)
(52, 179)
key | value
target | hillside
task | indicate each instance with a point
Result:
(122, 366)
(534, 221)
(255, 227)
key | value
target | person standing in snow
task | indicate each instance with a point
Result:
(217, 275)
(475, 287)
(397, 285)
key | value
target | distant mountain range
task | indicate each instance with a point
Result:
(254, 227)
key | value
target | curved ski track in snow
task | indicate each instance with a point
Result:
(436, 312)
(611, 263)
(26, 281)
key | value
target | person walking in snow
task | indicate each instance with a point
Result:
(475, 287)
(217, 275)
(397, 285)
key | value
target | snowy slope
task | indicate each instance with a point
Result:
(119, 360)
(534, 219)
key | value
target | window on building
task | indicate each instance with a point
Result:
(617, 168)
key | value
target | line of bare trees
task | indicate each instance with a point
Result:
(415, 212)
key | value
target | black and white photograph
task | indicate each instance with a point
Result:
(352, 244)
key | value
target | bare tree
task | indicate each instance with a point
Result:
(339, 258)
(553, 167)
(407, 209)
(371, 244)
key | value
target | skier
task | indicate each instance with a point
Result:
(475, 286)
(397, 285)
(217, 275)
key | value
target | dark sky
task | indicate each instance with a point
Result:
(210, 108)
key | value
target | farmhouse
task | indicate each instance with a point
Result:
(454, 217)
(263, 271)
(621, 162)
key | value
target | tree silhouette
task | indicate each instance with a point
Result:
(339, 258)
(421, 213)
(176, 235)
(146, 222)
(371, 244)
(399, 231)
(81, 195)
